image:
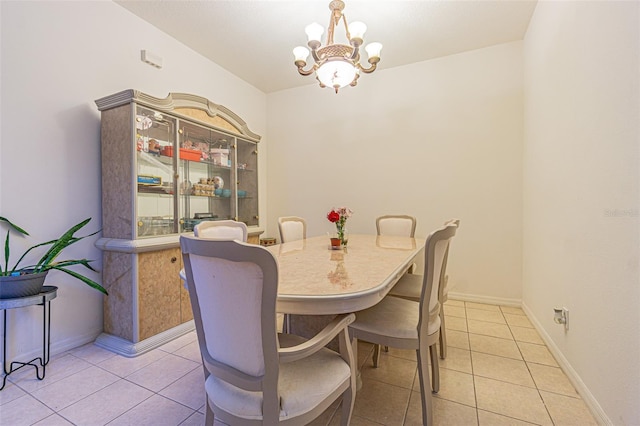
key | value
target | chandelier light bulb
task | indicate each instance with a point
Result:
(314, 32)
(357, 30)
(301, 53)
(373, 50)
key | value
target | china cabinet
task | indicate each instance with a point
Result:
(167, 164)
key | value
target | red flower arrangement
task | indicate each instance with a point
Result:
(339, 216)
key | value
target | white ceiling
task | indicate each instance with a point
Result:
(253, 39)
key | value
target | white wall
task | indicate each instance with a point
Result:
(57, 58)
(581, 246)
(436, 139)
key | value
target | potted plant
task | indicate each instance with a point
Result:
(21, 281)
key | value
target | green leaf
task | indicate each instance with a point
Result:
(82, 278)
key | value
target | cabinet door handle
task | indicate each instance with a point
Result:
(174, 259)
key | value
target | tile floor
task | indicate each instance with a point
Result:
(498, 372)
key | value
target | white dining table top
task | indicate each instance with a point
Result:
(314, 279)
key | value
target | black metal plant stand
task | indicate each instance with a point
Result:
(43, 299)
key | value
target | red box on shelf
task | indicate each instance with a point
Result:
(185, 154)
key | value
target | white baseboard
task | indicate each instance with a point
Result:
(129, 349)
(573, 376)
(57, 347)
(485, 299)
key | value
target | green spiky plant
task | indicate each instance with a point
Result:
(48, 260)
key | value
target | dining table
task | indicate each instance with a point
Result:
(317, 282)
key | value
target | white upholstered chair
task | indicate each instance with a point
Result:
(292, 228)
(410, 288)
(405, 324)
(253, 375)
(221, 229)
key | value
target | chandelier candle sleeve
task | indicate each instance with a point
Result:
(336, 65)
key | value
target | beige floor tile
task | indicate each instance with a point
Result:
(156, 410)
(72, 389)
(52, 420)
(455, 323)
(10, 392)
(391, 370)
(489, 329)
(511, 400)
(457, 359)
(123, 366)
(92, 353)
(163, 372)
(57, 369)
(355, 421)
(106, 404)
(187, 390)
(365, 350)
(25, 410)
(382, 403)
(486, 418)
(455, 311)
(512, 310)
(494, 346)
(196, 419)
(455, 386)
(524, 334)
(482, 315)
(444, 412)
(457, 339)
(537, 353)
(190, 351)
(518, 320)
(483, 306)
(453, 302)
(408, 354)
(503, 369)
(179, 342)
(551, 379)
(568, 411)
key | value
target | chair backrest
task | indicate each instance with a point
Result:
(222, 230)
(401, 225)
(435, 258)
(443, 290)
(225, 278)
(292, 228)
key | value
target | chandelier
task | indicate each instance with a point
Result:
(336, 65)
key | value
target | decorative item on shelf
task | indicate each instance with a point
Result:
(339, 216)
(336, 65)
(265, 242)
(17, 277)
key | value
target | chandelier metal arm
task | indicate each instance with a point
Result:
(372, 68)
(302, 71)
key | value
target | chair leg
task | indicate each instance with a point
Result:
(425, 388)
(348, 401)
(443, 336)
(435, 369)
(376, 355)
(208, 414)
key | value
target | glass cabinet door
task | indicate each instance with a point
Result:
(247, 181)
(155, 140)
(205, 175)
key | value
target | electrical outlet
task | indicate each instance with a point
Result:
(561, 316)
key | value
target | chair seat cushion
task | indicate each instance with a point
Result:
(302, 384)
(392, 322)
(408, 287)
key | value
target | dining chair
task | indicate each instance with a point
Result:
(292, 228)
(221, 229)
(253, 375)
(411, 287)
(406, 324)
(401, 225)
